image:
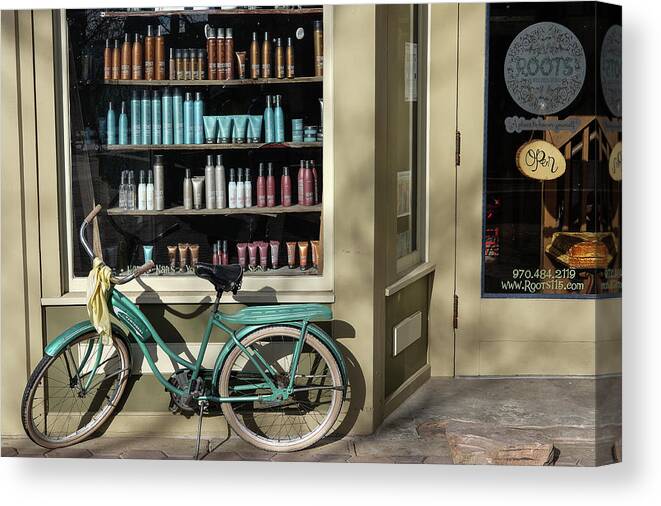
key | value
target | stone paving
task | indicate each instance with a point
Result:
(563, 410)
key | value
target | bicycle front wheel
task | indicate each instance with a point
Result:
(71, 394)
(294, 423)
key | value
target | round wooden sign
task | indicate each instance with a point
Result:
(540, 160)
(615, 162)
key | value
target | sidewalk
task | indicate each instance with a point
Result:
(468, 421)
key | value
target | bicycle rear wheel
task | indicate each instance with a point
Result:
(302, 419)
(71, 394)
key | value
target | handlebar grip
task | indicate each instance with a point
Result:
(144, 268)
(93, 213)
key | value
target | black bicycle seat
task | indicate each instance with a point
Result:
(225, 278)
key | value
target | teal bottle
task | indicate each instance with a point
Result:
(188, 118)
(198, 119)
(136, 138)
(123, 125)
(269, 124)
(167, 117)
(156, 122)
(145, 112)
(279, 120)
(178, 116)
(111, 125)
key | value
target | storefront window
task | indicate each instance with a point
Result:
(191, 164)
(552, 210)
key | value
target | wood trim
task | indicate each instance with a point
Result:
(415, 381)
(417, 273)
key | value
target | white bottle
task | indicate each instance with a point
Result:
(130, 192)
(150, 191)
(210, 183)
(122, 191)
(240, 192)
(142, 192)
(231, 190)
(248, 189)
(221, 194)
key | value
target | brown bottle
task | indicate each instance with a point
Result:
(150, 53)
(211, 53)
(279, 59)
(229, 54)
(266, 56)
(194, 73)
(201, 65)
(107, 61)
(160, 54)
(172, 74)
(125, 62)
(185, 57)
(220, 54)
(290, 59)
(116, 60)
(318, 36)
(254, 57)
(136, 60)
(179, 59)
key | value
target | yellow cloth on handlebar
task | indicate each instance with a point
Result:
(98, 284)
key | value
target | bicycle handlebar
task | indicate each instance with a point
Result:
(88, 219)
(135, 274)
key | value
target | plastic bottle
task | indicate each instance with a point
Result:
(122, 191)
(145, 116)
(198, 119)
(210, 183)
(111, 125)
(240, 191)
(168, 133)
(150, 191)
(300, 186)
(285, 187)
(279, 120)
(247, 186)
(270, 187)
(269, 124)
(178, 116)
(261, 187)
(308, 185)
(188, 118)
(159, 183)
(188, 191)
(221, 196)
(156, 118)
(142, 192)
(231, 190)
(130, 192)
(136, 137)
(123, 125)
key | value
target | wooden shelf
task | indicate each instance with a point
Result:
(203, 147)
(280, 271)
(212, 12)
(180, 211)
(213, 82)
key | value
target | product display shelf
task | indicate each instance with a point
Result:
(180, 211)
(280, 271)
(214, 82)
(195, 147)
(212, 12)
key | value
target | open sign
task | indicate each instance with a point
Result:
(540, 160)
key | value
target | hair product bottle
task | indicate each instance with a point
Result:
(270, 187)
(266, 56)
(123, 125)
(290, 59)
(229, 54)
(159, 183)
(188, 118)
(198, 119)
(316, 199)
(130, 192)
(285, 188)
(179, 64)
(186, 61)
(318, 37)
(167, 117)
(279, 59)
(308, 185)
(225, 255)
(150, 53)
(136, 59)
(172, 67)
(178, 116)
(220, 54)
(142, 192)
(269, 124)
(156, 121)
(211, 54)
(240, 191)
(145, 113)
(107, 61)
(300, 186)
(150, 191)
(111, 125)
(125, 62)
(247, 186)
(122, 190)
(188, 191)
(116, 61)
(254, 57)
(231, 191)
(210, 183)
(261, 186)
(160, 54)
(201, 65)
(221, 197)
(279, 120)
(136, 137)
(195, 71)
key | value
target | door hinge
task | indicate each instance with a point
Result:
(457, 149)
(455, 312)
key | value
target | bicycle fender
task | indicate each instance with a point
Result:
(74, 332)
(312, 329)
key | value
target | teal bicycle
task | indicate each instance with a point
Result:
(280, 380)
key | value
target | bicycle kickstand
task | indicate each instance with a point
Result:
(199, 429)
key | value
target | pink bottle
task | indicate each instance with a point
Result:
(270, 187)
(285, 188)
(261, 187)
(300, 193)
(308, 185)
(316, 182)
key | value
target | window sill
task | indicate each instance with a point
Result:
(245, 297)
(419, 272)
